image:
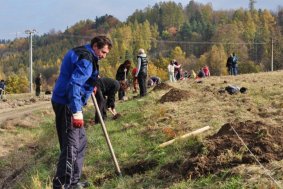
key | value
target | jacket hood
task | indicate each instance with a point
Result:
(142, 55)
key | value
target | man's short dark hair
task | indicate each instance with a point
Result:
(127, 62)
(101, 41)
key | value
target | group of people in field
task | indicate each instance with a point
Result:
(79, 78)
(37, 86)
(140, 78)
(175, 72)
(232, 64)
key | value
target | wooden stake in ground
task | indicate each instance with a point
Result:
(184, 136)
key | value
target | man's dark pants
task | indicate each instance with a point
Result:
(142, 84)
(121, 94)
(72, 146)
(37, 90)
(101, 102)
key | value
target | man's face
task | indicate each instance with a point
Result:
(101, 53)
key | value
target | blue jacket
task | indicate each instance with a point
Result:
(76, 81)
(2, 85)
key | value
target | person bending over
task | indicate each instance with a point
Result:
(105, 96)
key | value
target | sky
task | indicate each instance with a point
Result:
(17, 16)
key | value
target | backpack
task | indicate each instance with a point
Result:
(235, 89)
(232, 89)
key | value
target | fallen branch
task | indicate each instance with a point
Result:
(184, 136)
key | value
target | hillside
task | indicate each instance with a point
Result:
(217, 158)
(194, 34)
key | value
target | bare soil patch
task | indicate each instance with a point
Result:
(175, 95)
(225, 150)
(140, 167)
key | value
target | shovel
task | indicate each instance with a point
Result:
(106, 135)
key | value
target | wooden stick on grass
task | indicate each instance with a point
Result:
(184, 136)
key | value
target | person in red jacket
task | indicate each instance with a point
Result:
(206, 71)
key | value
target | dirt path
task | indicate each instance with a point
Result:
(15, 114)
(11, 113)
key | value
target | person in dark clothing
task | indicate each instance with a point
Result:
(37, 84)
(142, 71)
(105, 96)
(153, 80)
(2, 88)
(229, 64)
(75, 84)
(201, 74)
(121, 76)
(177, 70)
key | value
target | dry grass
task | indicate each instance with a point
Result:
(206, 106)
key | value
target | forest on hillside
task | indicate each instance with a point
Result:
(195, 35)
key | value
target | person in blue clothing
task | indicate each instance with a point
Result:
(75, 84)
(2, 88)
(235, 65)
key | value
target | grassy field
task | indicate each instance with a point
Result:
(209, 160)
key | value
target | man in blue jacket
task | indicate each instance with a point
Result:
(78, 74)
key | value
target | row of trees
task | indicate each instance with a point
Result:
(194, 35)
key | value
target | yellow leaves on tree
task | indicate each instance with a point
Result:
(178, 54)
(17, 84)
(155, 71)
(215, 59)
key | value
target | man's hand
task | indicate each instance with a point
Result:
(78, 120)
(94, 90)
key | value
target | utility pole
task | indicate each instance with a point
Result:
(272, 54)
(30, 33)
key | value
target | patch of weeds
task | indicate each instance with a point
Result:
(158, 154)
(232, 183)
(195, 146)
(222, 181)
(38, 183)
(204, 182)
(261, 133)
(242, 151)
(3, 163)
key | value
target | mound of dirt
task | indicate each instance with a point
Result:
(161, 86)
(175, 95)
(225, 150)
